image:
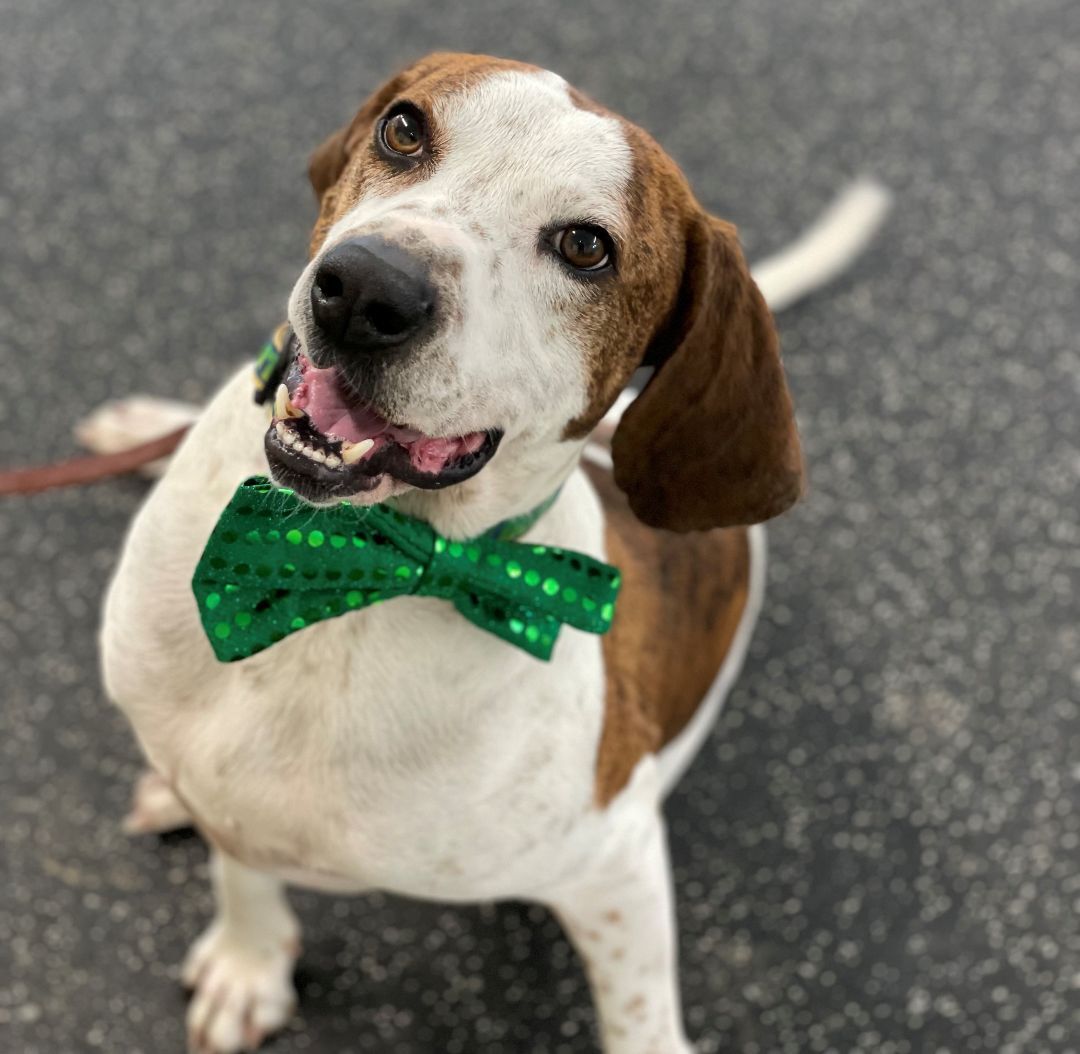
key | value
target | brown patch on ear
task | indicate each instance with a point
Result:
(711, 441)
(327, 162)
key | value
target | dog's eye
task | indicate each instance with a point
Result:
(403, 133)
(586, 248)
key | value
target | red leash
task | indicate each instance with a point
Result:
(79, 470)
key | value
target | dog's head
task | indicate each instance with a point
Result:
(495, 255)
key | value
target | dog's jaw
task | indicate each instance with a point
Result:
(521, 476)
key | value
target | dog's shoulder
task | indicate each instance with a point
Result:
(681, 602)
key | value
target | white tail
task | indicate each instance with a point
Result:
(827, 248)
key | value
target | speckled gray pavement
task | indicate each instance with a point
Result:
(879, 848)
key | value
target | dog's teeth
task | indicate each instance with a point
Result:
(293, 440)
(282, 406)
(353, 452)
(318, 455)
(280, 426)
(333, 461)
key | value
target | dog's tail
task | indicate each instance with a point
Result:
(826, 249)
(823, 252)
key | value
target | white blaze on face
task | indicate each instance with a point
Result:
(517, 160)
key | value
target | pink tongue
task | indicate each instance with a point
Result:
(321, 396)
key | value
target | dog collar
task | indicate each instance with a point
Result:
(272, 362)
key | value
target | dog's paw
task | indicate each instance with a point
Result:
(155, 808)
(243, 991)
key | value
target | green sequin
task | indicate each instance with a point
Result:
(521, 593)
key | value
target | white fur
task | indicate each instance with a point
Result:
(401, 747)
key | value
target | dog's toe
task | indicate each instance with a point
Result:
(242, 993)
(155, 808)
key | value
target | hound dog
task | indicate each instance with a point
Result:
(495, 255)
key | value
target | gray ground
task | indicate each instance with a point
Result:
(879, 849)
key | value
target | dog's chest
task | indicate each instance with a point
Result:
(398, 747)
(432, 775)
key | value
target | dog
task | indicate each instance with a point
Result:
(494, 258)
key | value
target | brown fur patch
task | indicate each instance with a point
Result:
(680, 605)
(624, 319)
(347, 166)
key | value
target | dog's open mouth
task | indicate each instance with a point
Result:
(325, 443)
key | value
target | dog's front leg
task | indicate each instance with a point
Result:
(241, 967)
(622, 923)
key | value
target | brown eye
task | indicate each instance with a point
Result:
(403, 133)
(585, 248)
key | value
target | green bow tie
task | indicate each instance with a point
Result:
(274, 565)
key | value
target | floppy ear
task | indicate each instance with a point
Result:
(711, 441)
(328, 162)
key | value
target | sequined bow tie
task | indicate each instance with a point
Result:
(274, 565)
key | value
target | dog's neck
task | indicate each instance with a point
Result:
(514, 484)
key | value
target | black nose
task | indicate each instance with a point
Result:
(370, 294)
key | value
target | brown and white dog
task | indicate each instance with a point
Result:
(495, 254)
